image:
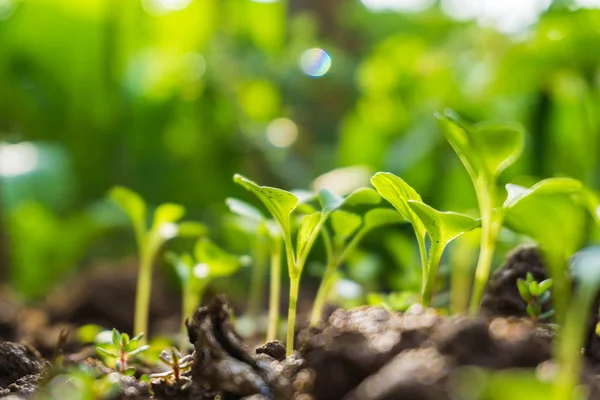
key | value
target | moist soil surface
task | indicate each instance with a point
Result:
(366, 353)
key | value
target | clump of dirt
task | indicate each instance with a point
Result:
(20, 369)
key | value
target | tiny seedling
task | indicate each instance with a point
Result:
(178, 365)
(123, 350)
(195, 273)
(348, 230)
(266, 231)
(149, 241)
(486, 150)
(281, 204)
(536, 295)
(441, 227)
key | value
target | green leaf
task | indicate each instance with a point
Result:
(307, 233)
(532, 311)
(362, 196)
(279, 202)
(116, 337)
(124, 339)
(167, 213)
(244, 209)
(545, 285)
(345, 223)
(87, 333)
(138, 351)
(219, 262)
(485, 149)
(547, 314)
(549, 213)
(138, 337)
(131, 345)
(378, 217)
(191, 229)
(523, 290)
(398, 193)
(442, 227)
(534, 289)
(134, 206)
(329, 201)
(106, 352)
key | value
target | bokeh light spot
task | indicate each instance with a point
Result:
(7, 8)
(315, 62)
(160, 7)
(201, 270)
(168, 231)
(398, 5)
(282, 132)
(18, 159)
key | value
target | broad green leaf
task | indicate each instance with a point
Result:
(362, 196)
(545, 285)
(280, 203)
(191, 229)
(443, 227)
(131, 345)
(486, 148)
(307, 233)
(549, 213)
(219, 262)
(377, 217)
(329, 201)
(133, 205)
(166, 214)
(105, 352)
(345, 223)
(116, 337)
(523, 290)
(398, 193)
(244, 209)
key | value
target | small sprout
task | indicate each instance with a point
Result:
(164, 226)
(486, 150)
(536, 295)
(122, 349)
(179, 366)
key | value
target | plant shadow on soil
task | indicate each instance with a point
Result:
(364, 353)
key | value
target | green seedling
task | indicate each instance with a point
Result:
(196, 273)
(178, 365)
(122, 350)
(586, 269)
(536, 295)
(281, 204)
(486, 150)
(550, 213)
(348, 230)
(442, 227)
(165, 226)
(266, 231)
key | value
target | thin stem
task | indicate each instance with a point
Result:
(142, 300)
(435, 255)
(489, 227)
(275, 288)
(423, 255)
(294, 286)
(324, 289)
(571, 341)
(191, 300)
(257, 280)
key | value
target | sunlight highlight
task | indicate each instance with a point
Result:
(18, 159)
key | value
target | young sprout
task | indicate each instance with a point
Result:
(442, 227)
(348, 230)
(179, 365)
(149, 241)
(195, 274)
(486, 150)
(281, 204)
(550, 213)
(266, 231)
(122, 350)
(536, 295)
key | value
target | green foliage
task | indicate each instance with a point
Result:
(122, 350)
(536, 295)
(485, 149)
(150, 240)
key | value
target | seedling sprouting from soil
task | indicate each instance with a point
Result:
(281, 204)
(178, 365)
(149, 241)
(536, 295)
(196, 273)
(349, 229)
(442, 227)
(266, 231)
(123, 350)
(485, 149)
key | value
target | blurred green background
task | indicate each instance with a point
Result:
(172, 97)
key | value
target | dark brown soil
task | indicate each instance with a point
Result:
(364, 353)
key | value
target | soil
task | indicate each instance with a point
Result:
(366, 353)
